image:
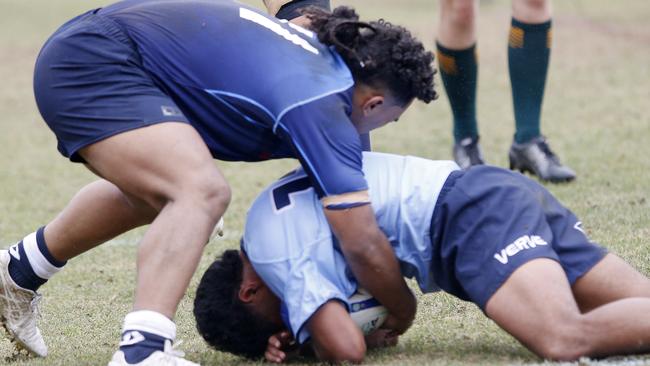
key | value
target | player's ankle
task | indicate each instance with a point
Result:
(144, 333)
(31, 263)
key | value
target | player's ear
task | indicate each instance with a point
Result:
(247, 291)
(371, 104)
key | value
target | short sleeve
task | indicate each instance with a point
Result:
(327, 144)
(307, 289)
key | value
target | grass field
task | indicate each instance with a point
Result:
(595, 115)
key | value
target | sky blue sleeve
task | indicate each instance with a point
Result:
(303, 280)
(306, 290)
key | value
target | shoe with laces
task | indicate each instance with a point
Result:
(168, 357)
(537, 158)
(19, 311)
(467, 152)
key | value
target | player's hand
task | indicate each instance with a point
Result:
(277, 345)
(382, 338)
(396, 325)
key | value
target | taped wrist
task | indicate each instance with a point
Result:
(292, 9)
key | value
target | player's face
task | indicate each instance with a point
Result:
(375, 111)
(267, 307)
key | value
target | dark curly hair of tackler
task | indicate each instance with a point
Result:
(221, 318)
(377, 53)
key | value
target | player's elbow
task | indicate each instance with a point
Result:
(353, 356)
(348, 352)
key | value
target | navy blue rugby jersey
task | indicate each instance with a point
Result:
(255, 88)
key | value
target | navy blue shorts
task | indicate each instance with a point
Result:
(89, 84)
(489, 221)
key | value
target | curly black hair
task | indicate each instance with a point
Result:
(221, 318)
(378, 53)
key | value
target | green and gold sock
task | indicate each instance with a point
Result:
(529, 48)
(459, 72)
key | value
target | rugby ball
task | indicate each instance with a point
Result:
(366, 311)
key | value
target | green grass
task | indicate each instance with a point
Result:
(595, 116)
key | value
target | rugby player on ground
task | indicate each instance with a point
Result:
(485, 235)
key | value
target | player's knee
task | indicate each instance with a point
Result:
(534, 7)
(566, 341)
(204, 190)
(212, 195)
(462, 13)
(352, 353)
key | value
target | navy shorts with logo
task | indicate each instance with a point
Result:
(89, 85)
(489, 221)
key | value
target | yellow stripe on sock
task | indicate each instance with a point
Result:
(447, 64)
(516, 38)
(549, 38)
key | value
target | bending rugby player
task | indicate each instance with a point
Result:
(146, 93)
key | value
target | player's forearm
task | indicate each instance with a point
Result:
(335, 338)
(376, 269)
(371, 258)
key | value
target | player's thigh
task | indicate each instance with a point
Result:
(610, 280)
(536, 299)
(158, 163)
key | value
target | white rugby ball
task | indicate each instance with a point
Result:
(366, 311)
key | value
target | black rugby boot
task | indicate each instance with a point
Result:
(467, 152)
(537, 158)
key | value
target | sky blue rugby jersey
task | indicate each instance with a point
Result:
(254, 87)
(290, 244)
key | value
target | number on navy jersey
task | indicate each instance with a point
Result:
(278, 29)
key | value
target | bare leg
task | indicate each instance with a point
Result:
(610, 280)
(169, 167)
(537, 307)
(457, 23)
(531, 11)
(97, 213)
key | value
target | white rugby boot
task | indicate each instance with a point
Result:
(168, 357)
(19, 310)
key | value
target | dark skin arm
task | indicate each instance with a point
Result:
(372, 260)
(367, 250)
(335, 338)
(282, 347)
(334, 335)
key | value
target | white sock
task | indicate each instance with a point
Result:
(150, 322)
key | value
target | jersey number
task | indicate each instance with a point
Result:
(282, 194)
(279, 29)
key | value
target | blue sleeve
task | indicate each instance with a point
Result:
(308, 288)
(327, 144)
(365, 142)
